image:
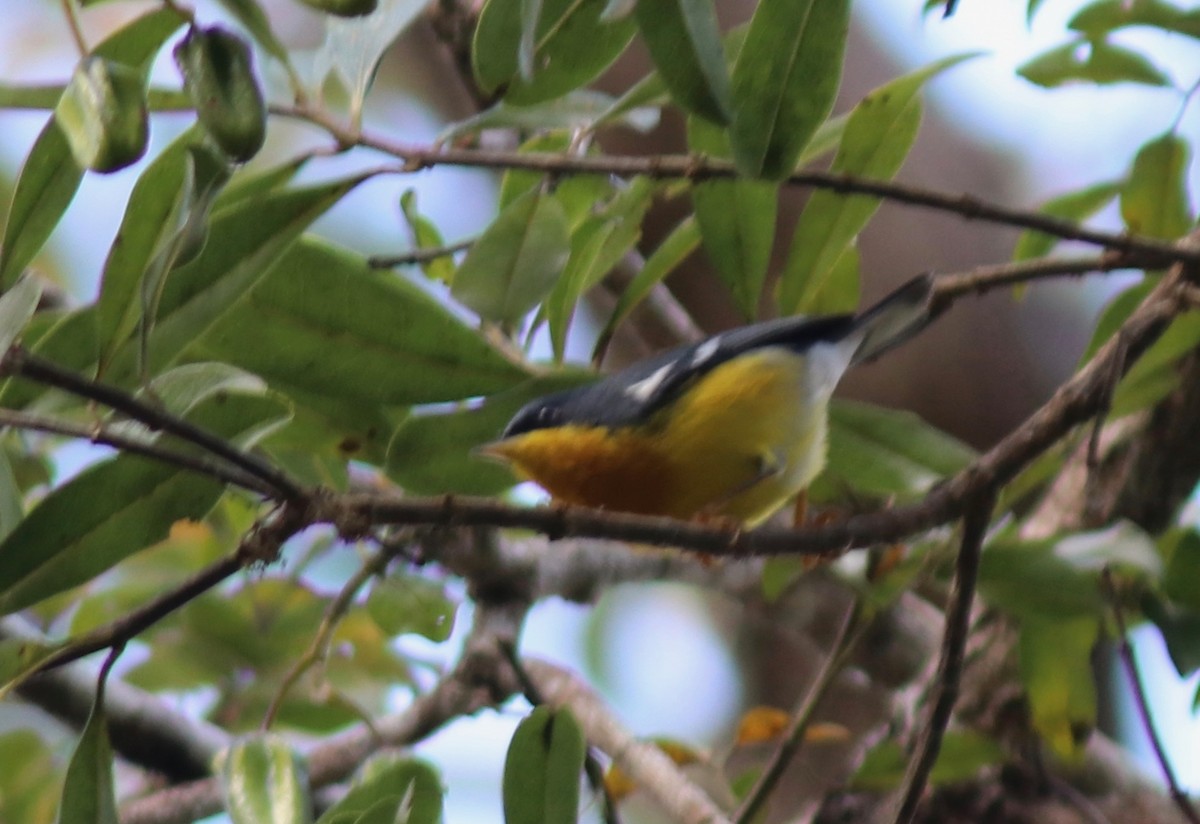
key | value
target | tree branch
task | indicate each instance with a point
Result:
(698, 168)
(649, 766)
(954, 643)
(142, 728)
(19, 361)
(100, 434)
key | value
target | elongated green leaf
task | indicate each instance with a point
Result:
(155, 211)
(1055, 658)
(17, 306)
(390, 789)
(253, 182)
(434, 453)
(116, 508)
(137, 43)
(963, 754)
(685, 44)
(674, 249)
(572, 47)
(1155, 374)
(45, 188)
(878, 136)
(1058, 578)
(250, 14)
(1154, 199)
(1104, 16)
(88, 793)
(582, 109)
(826, 139)
(785, 81)
(67, 338)
(516, 262)
(596, 247)
(1180, 629)
(1091, 61)
(1077, 205)
(737, 222)
(425, 235)
(12, 503)
(244, 240)
(412, 605)
(887, 452)
(542, 769)
(1181, 579)
(264, 781)
(531, 14)
(323, 321)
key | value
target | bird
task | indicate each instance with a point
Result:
(731, 428)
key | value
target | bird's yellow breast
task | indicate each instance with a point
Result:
(738, 443)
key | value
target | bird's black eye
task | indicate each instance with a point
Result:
(536, 415)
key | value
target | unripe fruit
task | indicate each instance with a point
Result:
(218, 76)
(103, 114)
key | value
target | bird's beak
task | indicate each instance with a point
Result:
(501, 451)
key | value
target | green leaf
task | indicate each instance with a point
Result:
(250, 14)
(426, 236)
(516, 261)
(685, 44)
(433, 453)
(1180, 629)
(1057, 579)
(1155, 374)
(390, 788)
(17, 306)
(263, 781)
(118, 507)
(104, 115)
(1181, 580)
(542, 769)
(573, 46)
(1114, 314)
(137, 43)
(580, 110)
(674, 249)
(1103, 16)
(1091, 61)
(67, 338)
(154, 213)
(963, 754)
(826, 139)
(785, 81)
(12, 502)
(597, 246)
(1078, 205)
(412, 604)
(45, 188)
(30, 782)
(323, 321)
(1056, 668)
(1154, 199)
(737, 221)
(244, 240)
(886, 452)
(88, 793)
(878, 136)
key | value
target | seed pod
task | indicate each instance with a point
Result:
(343, 8)
(218, 76)
(103, 114)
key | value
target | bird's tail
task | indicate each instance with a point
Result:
(895, 319)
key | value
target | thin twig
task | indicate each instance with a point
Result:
(699, 168)
(995, 276)
(418, 255)
(954, 643)
(260, 544)
(19, 361)
(318, 649)
(1129, 664)
(105, 436)
(844, 642)
(72, 15)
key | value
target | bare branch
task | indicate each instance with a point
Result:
(699, 168)
(101, 434)
(1129, 664)
(649, 766)
(18, 361)
(954, 644)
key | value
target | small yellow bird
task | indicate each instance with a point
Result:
(732, 427)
